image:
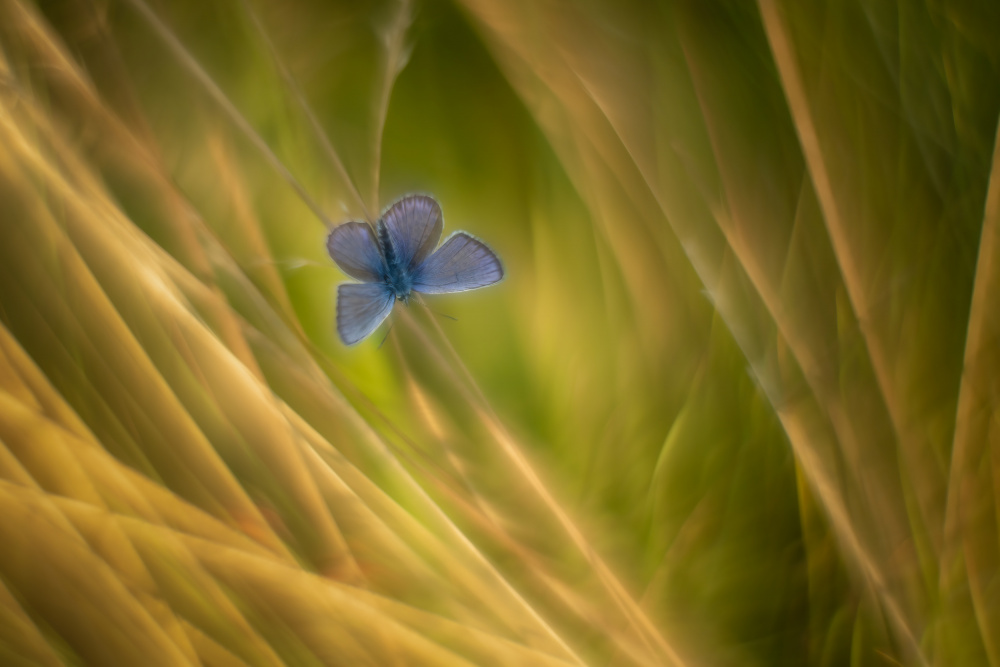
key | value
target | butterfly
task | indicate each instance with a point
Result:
(399, 258)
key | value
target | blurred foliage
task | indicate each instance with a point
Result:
(734, 404)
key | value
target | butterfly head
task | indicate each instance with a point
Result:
(404, 296)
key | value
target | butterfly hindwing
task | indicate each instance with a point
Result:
(353, 247)
(361, 307)
(463, 262)
(414, 224)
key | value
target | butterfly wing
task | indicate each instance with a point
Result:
(461, 263)
(361, 307)
(414, 223)
(353, 247)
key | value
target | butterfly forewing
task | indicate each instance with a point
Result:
(414, 223)
(461, 263)
(353, 247)
(361, 307)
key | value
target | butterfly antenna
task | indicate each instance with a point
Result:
(431, 310)
(385, 337)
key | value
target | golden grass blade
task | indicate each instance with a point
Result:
(140, 157)
(814, 155)
(570, 93)
(75, 467)
(913, 445)
(97, 314)
(971, 510)
(870, 535)
(376, 558)
(890, 515)
(83, 603)
(274, 591)
(646, 634)
(81, 515)
(21, 641)
(438, 555)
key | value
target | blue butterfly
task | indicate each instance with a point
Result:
(398, 258)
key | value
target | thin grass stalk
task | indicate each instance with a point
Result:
(296, 92)
(183, 57)
(396, 57)
(970, 515)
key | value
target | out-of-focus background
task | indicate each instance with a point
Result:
(735, 402)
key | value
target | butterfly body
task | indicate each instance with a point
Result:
(399, 257)
(397, 277)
